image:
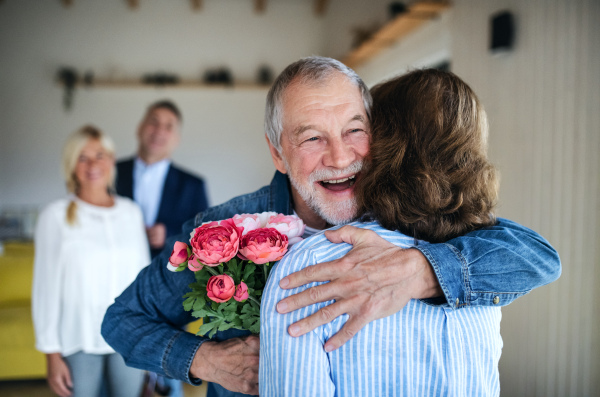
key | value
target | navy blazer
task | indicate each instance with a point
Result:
(183, 196)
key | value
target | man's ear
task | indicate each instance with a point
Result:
(276, 156)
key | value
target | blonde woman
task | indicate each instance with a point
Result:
(88, 248)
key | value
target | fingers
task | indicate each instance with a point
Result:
(61, 385)
(351, 328)
(250, 387)
(68, 381)
(59, 375)
(345, 234)
(156, 235)
(248, 357)
(253, 342)
(323, 316)
(232, 363)
(317, 294)
(320, 272)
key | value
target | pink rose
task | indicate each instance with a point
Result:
(265, 216)
(241, 292)
(215, 242)
(290, 225)
(193, 264)
(263, 245)
(220, 288)
(247, 221)
(178, 256)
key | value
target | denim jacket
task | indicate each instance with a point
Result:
(489, 267)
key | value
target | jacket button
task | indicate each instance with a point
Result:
(496, 300)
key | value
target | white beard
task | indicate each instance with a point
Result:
(334, 213)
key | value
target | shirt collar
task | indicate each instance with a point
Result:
(159, 166)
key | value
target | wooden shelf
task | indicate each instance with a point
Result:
(416, 15)
(182, 85)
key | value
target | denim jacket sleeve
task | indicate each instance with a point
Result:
(492, 266)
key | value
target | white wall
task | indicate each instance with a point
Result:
(543, 102)
(222, 134)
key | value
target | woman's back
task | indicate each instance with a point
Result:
(421, 350)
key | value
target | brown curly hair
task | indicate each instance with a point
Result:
(427, 174)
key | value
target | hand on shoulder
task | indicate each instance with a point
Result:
(374, 280)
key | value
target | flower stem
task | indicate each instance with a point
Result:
(211, 270)
(254, 299)
(265, 267)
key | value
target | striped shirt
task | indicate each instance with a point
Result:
(422, 350)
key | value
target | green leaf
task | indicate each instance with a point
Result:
(237, 323)
(207, 327)
(224, 326)
(199, 303)
(188, 303)
(248, 271)
(255, 329)
(202, 276)
(202, 313)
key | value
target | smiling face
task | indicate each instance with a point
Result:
(94, 168)
(324, 139)
(158, 135)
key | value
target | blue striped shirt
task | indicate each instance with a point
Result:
(422, 350)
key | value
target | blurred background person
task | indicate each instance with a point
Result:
(88, 248)
(168, 195)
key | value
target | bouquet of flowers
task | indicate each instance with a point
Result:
(230, 259)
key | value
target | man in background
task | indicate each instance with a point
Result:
(168, 195)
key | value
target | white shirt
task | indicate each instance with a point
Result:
(148, 184)
(422, 350)
(80, 269)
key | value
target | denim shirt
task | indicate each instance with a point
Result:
(489, 267)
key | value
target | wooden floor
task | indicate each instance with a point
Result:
(39, 388)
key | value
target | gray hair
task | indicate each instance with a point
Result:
(308, 70)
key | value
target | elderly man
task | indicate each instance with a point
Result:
(317, 122)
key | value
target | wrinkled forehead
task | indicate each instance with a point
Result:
(329, 91)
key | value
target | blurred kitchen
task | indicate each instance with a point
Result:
(534, 64)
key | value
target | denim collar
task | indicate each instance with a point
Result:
(280, 199)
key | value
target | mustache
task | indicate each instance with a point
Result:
(325, 174)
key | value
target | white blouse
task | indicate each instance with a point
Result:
(80, 269)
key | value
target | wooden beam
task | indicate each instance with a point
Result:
(133, 4)
(260, 6)
(196, 5)
(320, 7)
(405, 23)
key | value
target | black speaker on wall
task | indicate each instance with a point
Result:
(502, 35)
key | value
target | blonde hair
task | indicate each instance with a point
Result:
(71, 151)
